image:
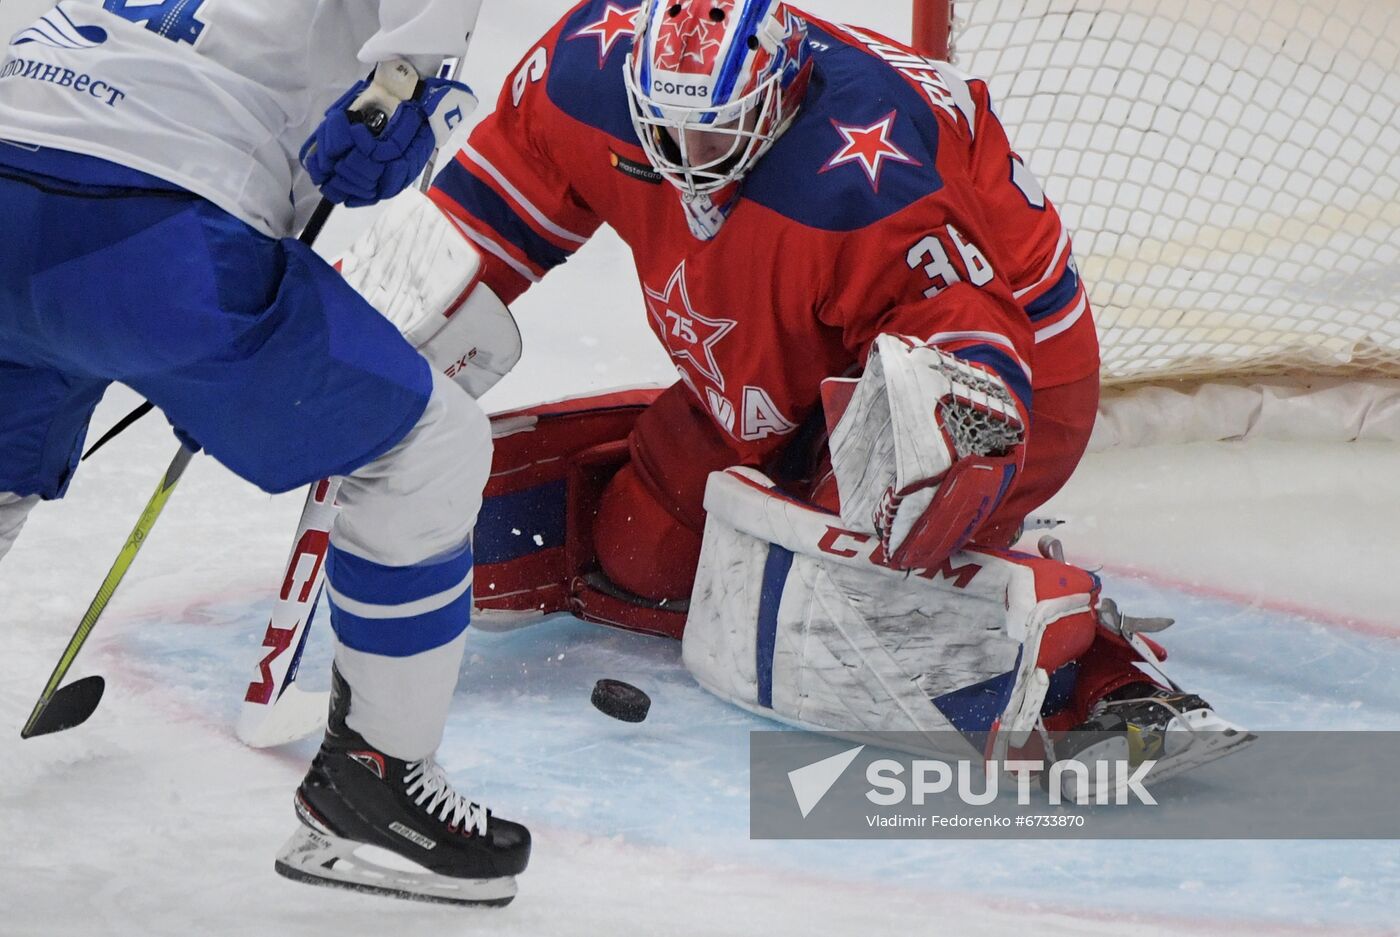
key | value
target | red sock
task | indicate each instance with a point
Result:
(1110, 663)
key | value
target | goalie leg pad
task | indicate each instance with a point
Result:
(551, 464)
(797, 617)
(578, 490)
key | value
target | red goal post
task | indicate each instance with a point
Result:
(933, 22)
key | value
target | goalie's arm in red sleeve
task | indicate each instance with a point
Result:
(932, 281)
(1035, 252)
(508, 190)
(930, 276)
(982, 267)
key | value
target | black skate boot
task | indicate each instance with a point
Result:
(1144, 722)
(355, 798)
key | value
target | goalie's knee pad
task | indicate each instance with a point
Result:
(797, 617)
(675, 446)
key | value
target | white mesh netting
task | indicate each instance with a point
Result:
(1230, 170)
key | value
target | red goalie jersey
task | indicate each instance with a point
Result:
(893, 203)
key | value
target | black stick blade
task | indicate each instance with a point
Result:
(68, 707)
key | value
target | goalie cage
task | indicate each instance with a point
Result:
(1231, 176)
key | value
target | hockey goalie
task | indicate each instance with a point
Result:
(886, 359)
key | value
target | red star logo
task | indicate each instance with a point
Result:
(793, 38)
(870, 147)
(689, 43)
(688, 336)
(616, 22)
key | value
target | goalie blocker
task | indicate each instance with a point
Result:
(418, 270)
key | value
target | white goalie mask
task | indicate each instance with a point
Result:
(712, 84)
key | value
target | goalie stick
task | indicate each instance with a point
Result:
(275, 710)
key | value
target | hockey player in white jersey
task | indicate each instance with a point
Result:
(151, 162)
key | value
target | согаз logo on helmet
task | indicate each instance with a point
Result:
(671, 87)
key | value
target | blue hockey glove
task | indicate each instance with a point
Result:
(363, 152)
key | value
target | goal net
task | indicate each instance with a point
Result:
(1230, 172)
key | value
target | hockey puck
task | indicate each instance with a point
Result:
(621, 700)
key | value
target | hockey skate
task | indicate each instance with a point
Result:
(374, 823)
(1144, 722)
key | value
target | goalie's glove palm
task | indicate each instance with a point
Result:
(925, 450)
(921, 521)
(354, 166)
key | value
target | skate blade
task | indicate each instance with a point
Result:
(315, 858)
(1220, 744)
(1217, 745)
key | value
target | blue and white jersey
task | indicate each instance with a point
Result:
(216, 96)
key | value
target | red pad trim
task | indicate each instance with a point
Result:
(529, 582)
(578, 442)
(592, 605)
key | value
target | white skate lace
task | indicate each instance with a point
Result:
(434, 794)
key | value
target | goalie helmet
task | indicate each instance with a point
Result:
(712, 84)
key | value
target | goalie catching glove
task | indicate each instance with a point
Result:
(379, 135)
(923, 450)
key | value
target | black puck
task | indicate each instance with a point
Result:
(621, 700)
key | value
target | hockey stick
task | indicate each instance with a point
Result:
(63, 707)
(119, 427)
(275, 710)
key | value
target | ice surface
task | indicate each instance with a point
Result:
(152, 820)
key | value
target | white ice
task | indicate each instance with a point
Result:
(1277, 559)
